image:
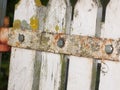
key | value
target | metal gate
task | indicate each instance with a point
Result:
(65, 47)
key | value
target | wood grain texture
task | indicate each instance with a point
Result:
(84, 23)
(52, 75)
(110, 75)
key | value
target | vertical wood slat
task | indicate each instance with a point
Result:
(53, 66)
(110, 80)
(84, 23)
(22, 64)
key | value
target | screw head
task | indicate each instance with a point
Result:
(61, 42)
(109, 49)
(21, 38)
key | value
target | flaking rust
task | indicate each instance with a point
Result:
(76, 45)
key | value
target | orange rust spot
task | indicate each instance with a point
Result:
(17, 44)
(110, 40)
(56, 37)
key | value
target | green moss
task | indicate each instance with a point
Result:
(38, 3)
(17, 24)
(34, 23)
(63, 72)
(57, 28)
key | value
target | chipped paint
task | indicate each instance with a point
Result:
(34, 23)
(83, 46)
(38, 3)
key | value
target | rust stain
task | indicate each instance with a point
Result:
(56, 37)
(17, 44)
(84, 46)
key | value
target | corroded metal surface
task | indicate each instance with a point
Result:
(76, 45)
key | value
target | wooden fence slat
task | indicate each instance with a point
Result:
(84, 23)
(22, 64)
(53, 66)
(110, 71)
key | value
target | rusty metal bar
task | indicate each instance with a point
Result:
(76, 45)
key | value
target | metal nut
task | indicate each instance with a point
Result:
(109, 49)
(21, 38)
(61, 42)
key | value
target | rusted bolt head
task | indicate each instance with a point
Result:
(109, 49)
(21, 38)
(61, 42)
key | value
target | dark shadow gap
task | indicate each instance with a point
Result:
(104, 5)
(98, 76)
(73, 3)
(67, 73)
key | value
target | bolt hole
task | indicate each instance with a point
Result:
(21, 38)
(61, 43)
(109, 49)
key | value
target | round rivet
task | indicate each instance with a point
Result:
(109, 49)
(61, 42)
(21, 38)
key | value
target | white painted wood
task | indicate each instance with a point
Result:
(51, 75)
(84, 23)
(111, 79)
(22, 61)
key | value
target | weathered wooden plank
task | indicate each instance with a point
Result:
(84, 23)
(24, 64)
(77, 45)
(110, 74)
(52, 75)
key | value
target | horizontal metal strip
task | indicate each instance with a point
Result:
(76, 45)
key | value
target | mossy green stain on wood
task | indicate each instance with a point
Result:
(17, 24)
(63, 72)
(16, 6)
(57, 28)
(38, 3)
(34, 23)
